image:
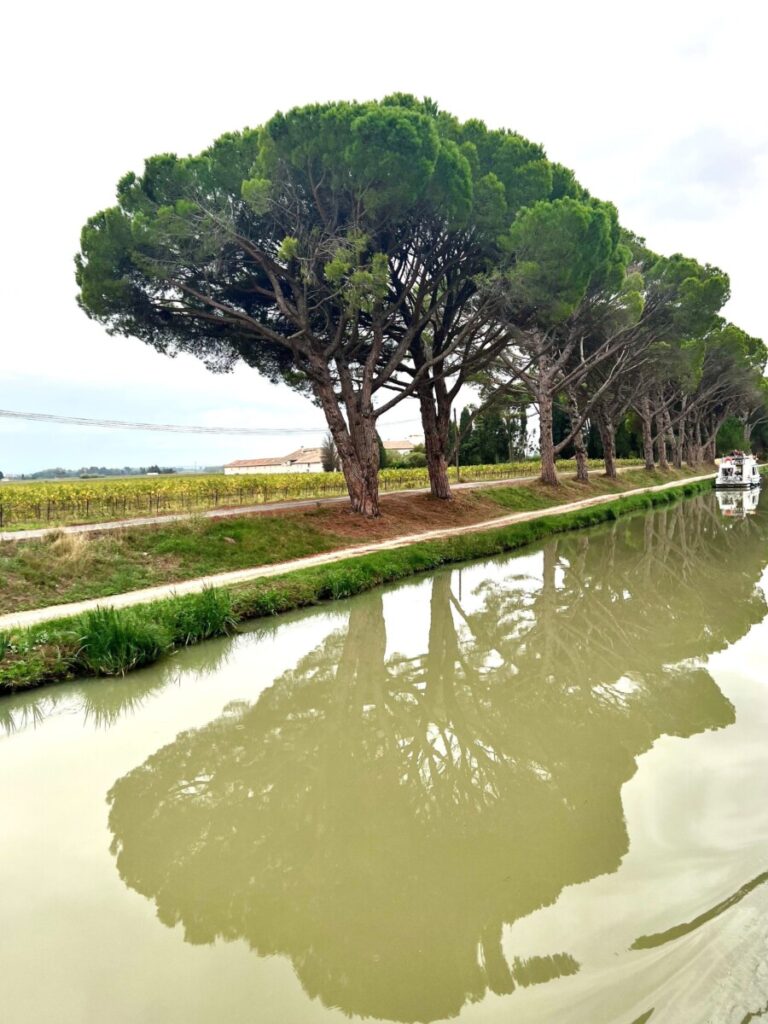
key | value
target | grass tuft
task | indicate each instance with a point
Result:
(205, 615)
(117, 640)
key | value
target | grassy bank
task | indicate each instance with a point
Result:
(65, 567)
(112, 642)
(61, 568)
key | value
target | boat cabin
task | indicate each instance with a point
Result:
(738, 470)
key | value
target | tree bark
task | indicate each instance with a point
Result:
(709, 441)
(362, 470)
(661, 435)
(435, 406)
(608, 437)
(579, 439)
(690, 445)
(645, 417)
(677, 454)
(546, 442)
(435, 445)
(677, 441)
(690, 442)
(357, 445)
(694, 443)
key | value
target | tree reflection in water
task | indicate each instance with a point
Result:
(379, 820)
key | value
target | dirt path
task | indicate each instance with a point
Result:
(246, 510)
(59, 611)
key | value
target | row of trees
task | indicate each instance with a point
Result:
(368, 253)
(491, 436)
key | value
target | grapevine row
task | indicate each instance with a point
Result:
(58, 503)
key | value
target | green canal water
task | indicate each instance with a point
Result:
(532, 789)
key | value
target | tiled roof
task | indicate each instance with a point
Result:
(394, 445)
(241, 463)
(301, 455)
(304, 455)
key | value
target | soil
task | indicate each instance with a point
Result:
(406, 513)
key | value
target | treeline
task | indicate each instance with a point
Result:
(367, 253)
(88, 472)
(488, 436)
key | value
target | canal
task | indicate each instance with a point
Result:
(526, 790)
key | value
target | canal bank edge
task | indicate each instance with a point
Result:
(113, 641)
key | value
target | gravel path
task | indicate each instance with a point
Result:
(29, 618)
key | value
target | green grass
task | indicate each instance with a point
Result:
(75, 567)
(521, 499)
(115, 641)
(535, 496)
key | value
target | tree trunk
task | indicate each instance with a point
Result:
(435, 407)
(645, 417)
(582, 462)
(357, 445)
(709, 441)
(579, 439)
(437, 467)
(361, 471)
(677, 455)
(435, 445)
(608, 437)
(693, 442)
(661, 439)
(677, 442)
(546, 442)
(698, 442)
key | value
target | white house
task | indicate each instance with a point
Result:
(304, 460)
(402, 447)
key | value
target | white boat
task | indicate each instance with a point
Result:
(738, 471)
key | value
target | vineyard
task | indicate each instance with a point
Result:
(52, 503)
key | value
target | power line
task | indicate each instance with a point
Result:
(173, 428)
(169, 428)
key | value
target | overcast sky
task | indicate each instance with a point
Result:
(659, 107)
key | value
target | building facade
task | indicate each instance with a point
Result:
(304, 460)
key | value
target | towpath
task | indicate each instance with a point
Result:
(134, 597)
